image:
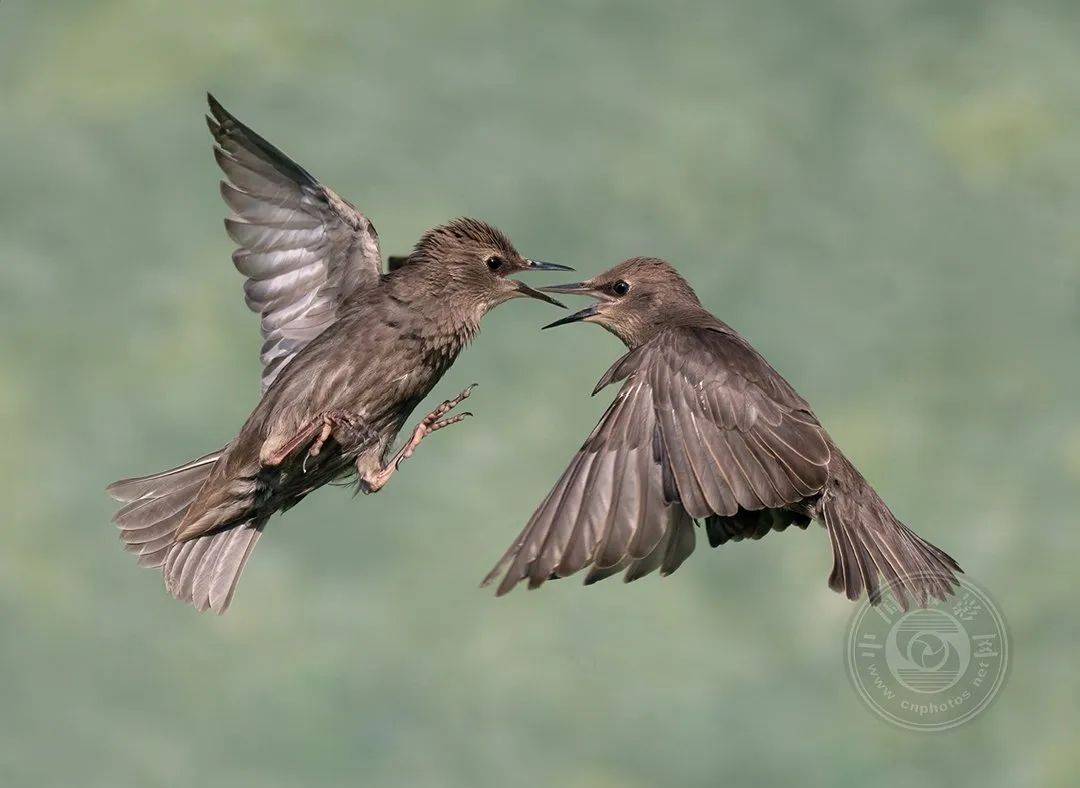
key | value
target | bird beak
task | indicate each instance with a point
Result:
(522, 289)
(540, 265)
(574, 288)
(578, 316)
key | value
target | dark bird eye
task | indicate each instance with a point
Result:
(620, 288)
(494, 263)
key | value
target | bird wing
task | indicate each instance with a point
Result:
(302, 247)
(703, 427)
(735, 435)
(607, 507)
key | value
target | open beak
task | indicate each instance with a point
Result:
(575, 288)
(540, 265)
(532, 292)
(578, 316)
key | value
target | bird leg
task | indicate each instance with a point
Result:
(433, 422)
(345, 426)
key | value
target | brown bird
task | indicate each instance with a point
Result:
(705, 429)
(349, 352)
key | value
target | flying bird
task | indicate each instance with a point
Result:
(348, 353)
(704, 429)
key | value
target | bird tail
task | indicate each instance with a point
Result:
(868, 541)
(202, 571)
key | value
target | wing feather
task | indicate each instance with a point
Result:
(681, 542)
(743, 430)
(607, 511)
(303, 248)
(703, 428)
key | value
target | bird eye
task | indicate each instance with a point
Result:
(620, 288)
(494, 262)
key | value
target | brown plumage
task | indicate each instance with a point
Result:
(704, 429)
(348, 353)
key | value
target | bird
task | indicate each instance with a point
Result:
(705, 430)
(348, 352)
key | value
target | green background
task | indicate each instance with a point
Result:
(883, 196)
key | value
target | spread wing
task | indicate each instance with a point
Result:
(302, 247)
(608, 509)
(703, 428)
(735, 434)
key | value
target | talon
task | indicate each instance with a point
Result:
(449, 422)
(327, 428)
(429, 424)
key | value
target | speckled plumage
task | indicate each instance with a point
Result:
(704, 429)
(344, 343)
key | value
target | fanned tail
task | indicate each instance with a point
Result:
(203, 571)
(869, 543)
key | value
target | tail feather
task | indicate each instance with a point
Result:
(152, 554)
(140, 518)
(869, 544)
(202, 571)
(156, 505)
(143, 486)
(205, 571)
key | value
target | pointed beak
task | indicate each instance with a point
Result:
(523, 289)
(540, 265)
(573, 288)
(577, 317)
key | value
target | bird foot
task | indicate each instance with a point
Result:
(346, 427)
(433, 422)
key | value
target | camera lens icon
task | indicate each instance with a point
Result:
(927, 651)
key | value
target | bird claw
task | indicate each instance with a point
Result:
(344, 426)
(342, 423)
(441, 423)
(425, 428)
(433, 422)
(436, 415)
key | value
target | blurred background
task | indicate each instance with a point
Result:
(883, 197)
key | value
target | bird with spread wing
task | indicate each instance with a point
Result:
(704, 429)
(348, 352)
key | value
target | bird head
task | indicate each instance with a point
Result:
(634, 300)
(471, 262)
